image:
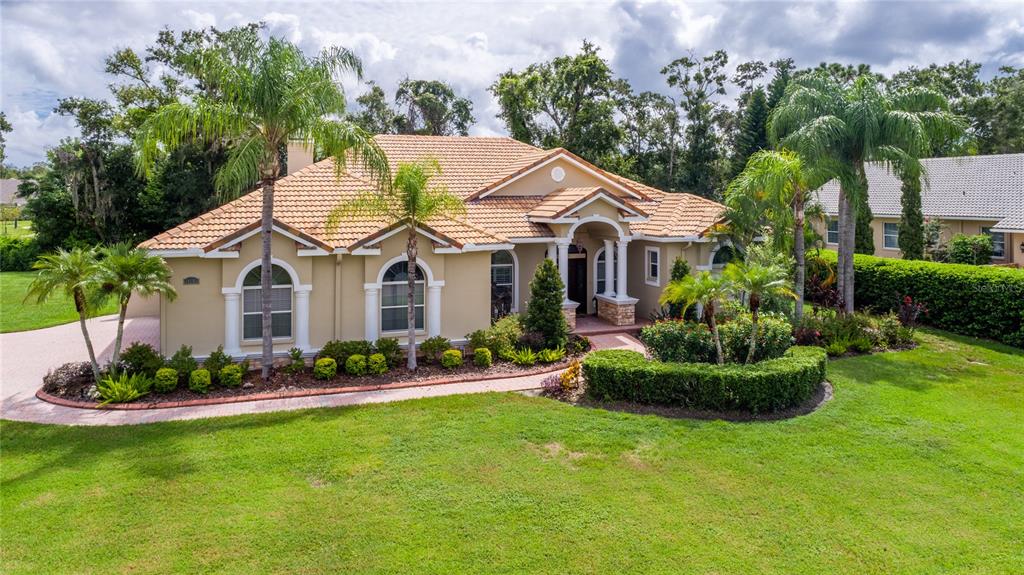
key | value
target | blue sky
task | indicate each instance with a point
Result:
(50, 50)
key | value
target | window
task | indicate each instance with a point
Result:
(280, 304)
(832, 235)
(891, 236)
(599, 273)
(653, 265)
(503, 277)
(394, 301)
(998, 242)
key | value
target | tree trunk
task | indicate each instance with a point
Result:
(844, 265)
(719, 357)
(798, 253)
(411, 253)
(755, 304)
(120, 335)
(80, 307)
(266, 232)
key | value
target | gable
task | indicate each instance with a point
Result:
(539, 180)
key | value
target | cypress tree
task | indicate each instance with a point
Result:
(864, 240)
(544, 310)
(753, 134)
(911, 218)
(680, 269)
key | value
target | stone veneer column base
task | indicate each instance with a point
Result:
(569, 311)
(617, 312)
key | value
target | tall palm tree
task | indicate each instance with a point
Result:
(73, 273)
(778, 184)
(273, 94)
(844, 126)
(758, 281)
(125, 270)
(706, 290)
(409, 200)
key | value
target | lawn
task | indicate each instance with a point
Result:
(18, 315)
(24, 229)
(916, 466)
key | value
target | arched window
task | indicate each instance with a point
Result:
(280, 304)
(599, 272)
(394, 299)
(503, 277)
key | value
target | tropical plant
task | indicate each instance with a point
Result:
(73, 273)
(524, 356)
(271, 95)
(123, 388)
(758, 282)
(838, 127)
(409, 201)
(703, 289)
(125, 270)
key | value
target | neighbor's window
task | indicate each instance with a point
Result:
(998, 242)
(832, 235)
(280, 304)
(394, 301)
(653, 265)
(599, 272)
(503, 273)
(891, 236)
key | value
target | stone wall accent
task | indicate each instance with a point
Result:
(616, 313)
(569, 311)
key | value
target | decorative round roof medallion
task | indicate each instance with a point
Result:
(557, 174)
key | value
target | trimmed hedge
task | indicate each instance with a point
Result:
(983, 301)
(769, 385)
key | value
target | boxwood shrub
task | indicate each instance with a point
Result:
(683, 341)
(769, 385)
(984, 301)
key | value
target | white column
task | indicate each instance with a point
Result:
(609, 268)
(552, 253)
(371, 302)
(434, 309)
(302, 319)
(620, 260)
(563, 268)
(232, 319)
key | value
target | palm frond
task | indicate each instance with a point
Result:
(176, 124)
(242, 168)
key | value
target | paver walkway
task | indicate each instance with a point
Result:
(25, 357)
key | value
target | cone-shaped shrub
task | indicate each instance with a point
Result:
(544, 311)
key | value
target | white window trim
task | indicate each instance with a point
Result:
(290, 311)
(650, 280)
(886, 235)
(381, 307)
(827, 224)
(988, 231)
(515, 279)
(599, 273)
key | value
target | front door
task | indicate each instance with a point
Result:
(578, 283)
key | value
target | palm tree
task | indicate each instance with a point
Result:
(74, 273)
(409, 200)
(124, 270)
(706, 290)
(758, 281)
(778, 185)
(272, 95)
(842, 126)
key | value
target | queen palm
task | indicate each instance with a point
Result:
(272, 94)
(843, 126)
(703, 289)
(758, 281)
(409, 201)
(125, 270)
(73, 273)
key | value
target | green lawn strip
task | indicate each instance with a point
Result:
(16, 314)
(916, 465)
(24, 229)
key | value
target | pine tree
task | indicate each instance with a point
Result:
(544, 311)
(777, 87)
(753, 134)
(911, 236)
(864, 238)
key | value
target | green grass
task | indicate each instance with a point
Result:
(24, 229)
(19, 315)
(916, 466)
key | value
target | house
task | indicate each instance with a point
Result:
(968, 195)
(613, 239)
(9, 192)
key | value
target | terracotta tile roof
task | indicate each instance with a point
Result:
(564, 201)
(304, 200)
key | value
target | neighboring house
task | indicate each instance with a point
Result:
(969, 195)
(9, 192)
(613, 240)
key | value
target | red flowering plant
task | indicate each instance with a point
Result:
(910, 311)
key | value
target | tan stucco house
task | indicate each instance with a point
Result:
(968, 195)
(613, 240)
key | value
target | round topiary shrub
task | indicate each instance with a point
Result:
(199, 381)
(765, 386)
(325, 368)
(451, 359)
(356, 364)
(165, 380)
(377, 364)
(231, 375)
(482, 357)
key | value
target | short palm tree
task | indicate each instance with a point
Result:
(125, 270)
(705, 290)
(758, 281)
(842, 126)
(73, 273)
(273, 95)
(409, 201)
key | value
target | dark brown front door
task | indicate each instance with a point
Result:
(578, 284)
